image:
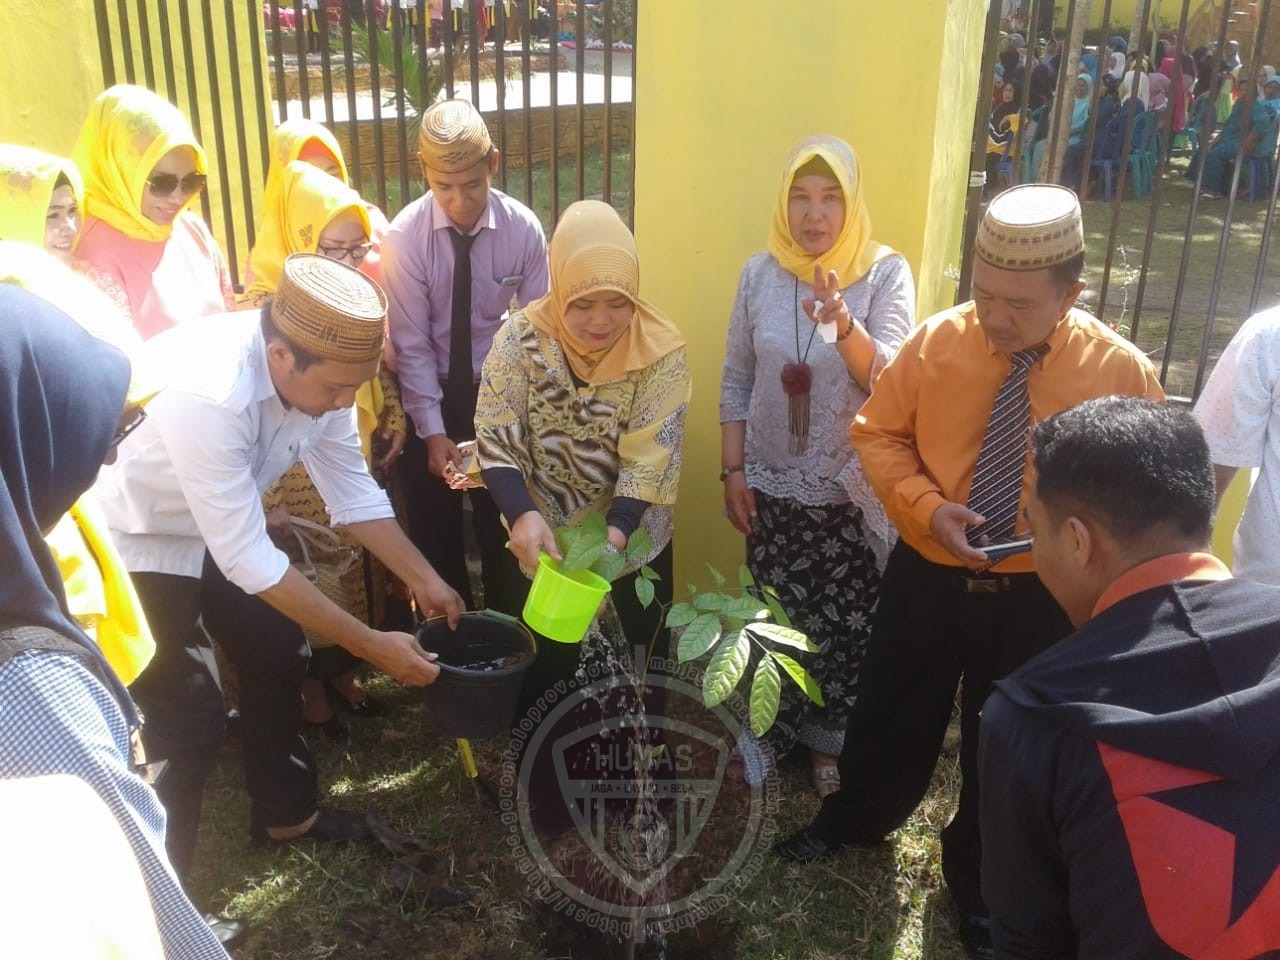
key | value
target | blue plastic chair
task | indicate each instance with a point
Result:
(1259, 172)
(1004, 168)
(1198, 107)
(1141, 150)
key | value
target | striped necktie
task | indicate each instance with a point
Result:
(997, 479)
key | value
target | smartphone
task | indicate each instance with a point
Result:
(1006, 548)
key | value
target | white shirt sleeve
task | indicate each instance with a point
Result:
(338, 469)
(212, 452)
(1242, 396)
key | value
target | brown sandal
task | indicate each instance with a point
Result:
(825, 778)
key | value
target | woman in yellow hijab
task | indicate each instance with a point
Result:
(40, 200)
(818, 314)
(143, 169)
(308, 211)
(581, 414)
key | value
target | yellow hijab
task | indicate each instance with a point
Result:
(295, 210)
(27, 178)
(126, 133)
(854, 251)
(288, 142)
(593, 250)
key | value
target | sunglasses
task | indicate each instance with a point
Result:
(163, 184)
(356, 253)
(133, 423)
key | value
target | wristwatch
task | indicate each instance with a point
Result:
(724, 474)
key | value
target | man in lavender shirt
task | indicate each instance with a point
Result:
(452, 263)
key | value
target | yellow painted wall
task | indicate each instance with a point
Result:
(719, 102)
(1229, 514)
(50, 71)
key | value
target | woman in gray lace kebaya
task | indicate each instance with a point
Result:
(817, 316)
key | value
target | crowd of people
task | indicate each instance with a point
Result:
(879, 473)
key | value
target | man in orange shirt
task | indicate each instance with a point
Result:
(943, 441)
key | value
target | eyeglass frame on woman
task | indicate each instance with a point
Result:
(135, 421)
(192, 183)
(356, 253)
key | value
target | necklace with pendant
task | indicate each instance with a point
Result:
(797, 380)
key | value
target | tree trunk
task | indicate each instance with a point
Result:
(1062, 111)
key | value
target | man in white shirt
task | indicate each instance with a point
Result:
(1240, 413)
(251, 394)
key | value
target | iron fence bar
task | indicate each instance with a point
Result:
(580, 67)
(500, 85)
(1020, 138)
(259, 91)
(220, 141)
(102, 18)
(447, 33)
(1180, 51)
(474, 42)
(277, 41)
(1126, 148)
(193, 96)
(1265, 245)
(526, 85)
(977, 151)
(402, 152)
(144, 38)
(126, 40)
(606, 185)
(632, 36)
(1059, 95)
(424, 72)
(1086, 158)
(1223, 242)
(553, 72)
(166, 54)
(326, 66)
(354, 170)
(1157, 188)
(1203, 148)
(375, 84)
(242, 134)
(301, 37)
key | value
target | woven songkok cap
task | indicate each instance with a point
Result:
(1031, 227)
(330, 309)
(453, 137)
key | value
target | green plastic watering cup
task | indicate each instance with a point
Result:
(562, 603)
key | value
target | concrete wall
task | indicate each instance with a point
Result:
(719, 102)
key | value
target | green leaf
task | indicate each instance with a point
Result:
(699, 637)
(639, 545)
(644, 591)
(745, 608)
(707, 602)
(582, 553)
(567, 537)
(649, 573)
(781, 634)
(609, 566)
(800, 675)
(681, 614)
(593, 525)
(774, 602)
(744, 576)
(766, 692)
(724, 671)
(716, 577)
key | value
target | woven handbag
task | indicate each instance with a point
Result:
(330, 564)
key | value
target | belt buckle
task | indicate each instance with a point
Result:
(981, 585)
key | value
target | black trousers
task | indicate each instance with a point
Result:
(435, 527)
(181, 701)
(934, 625)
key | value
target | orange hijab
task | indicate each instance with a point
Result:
(593, 250)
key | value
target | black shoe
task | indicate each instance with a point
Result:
(805, 846)
(331, 826)
(231, 933)
(975, 937)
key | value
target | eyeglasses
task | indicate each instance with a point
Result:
(355, 254)
(133, 423)
(163, 184)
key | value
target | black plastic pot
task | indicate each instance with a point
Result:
(482, 668)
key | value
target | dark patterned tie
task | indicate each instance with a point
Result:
(997, 480)
(459, 407)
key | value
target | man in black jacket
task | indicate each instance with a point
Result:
(1131, 773)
